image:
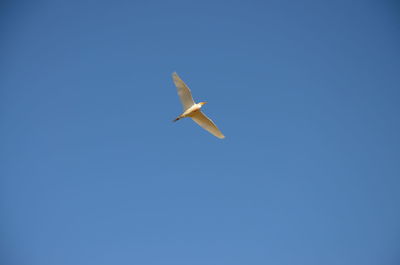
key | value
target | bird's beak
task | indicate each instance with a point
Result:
(203, 103)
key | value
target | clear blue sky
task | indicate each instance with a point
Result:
(93, 171)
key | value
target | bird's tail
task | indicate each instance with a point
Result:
(177, 119)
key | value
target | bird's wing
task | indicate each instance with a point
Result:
(207, 124)
(184, 92)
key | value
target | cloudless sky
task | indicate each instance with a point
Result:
(93, 171)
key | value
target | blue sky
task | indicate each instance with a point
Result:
(93, 171)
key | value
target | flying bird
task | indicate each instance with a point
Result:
(192, 110)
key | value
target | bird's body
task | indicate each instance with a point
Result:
(190, 111)
(193, 110)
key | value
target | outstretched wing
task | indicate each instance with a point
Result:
(207, 124)
(184, 92)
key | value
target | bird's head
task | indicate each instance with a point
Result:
(202, 103)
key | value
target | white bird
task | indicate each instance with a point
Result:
(192, 110)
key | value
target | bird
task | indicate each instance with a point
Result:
(192, 109)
